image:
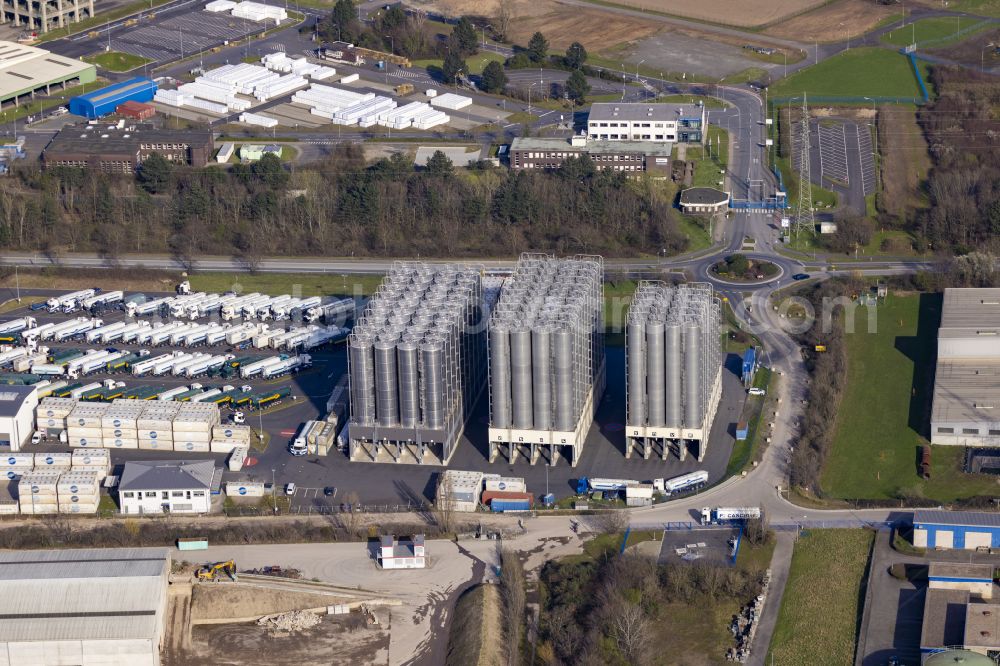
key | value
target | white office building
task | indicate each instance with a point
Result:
(164, 486)
(17, 416)
(658, 123)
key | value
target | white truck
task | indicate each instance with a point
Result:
(146, 365)
(169, 395)
(17, 325)
(291, 364)
(129, 333)
(148, 308)
(729, 514)
(337, 311)
(257, 367)
(100, 334)
(72, 299)
(683, 483)
(104, 299)
(81, 327)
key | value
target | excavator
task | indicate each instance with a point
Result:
(217, 570)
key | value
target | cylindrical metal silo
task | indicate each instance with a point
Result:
(386, 389)
(520, 378)
(562, 379)
(362, 380)
(692, 376)
(672, 369)
(432, 380)
(541, 379)
(636, 341)
(500, 376)
(409, 388)
(655, 390)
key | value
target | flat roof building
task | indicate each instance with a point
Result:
(87, 607)
(124, 150)
(26, 71)
(704, 200)
(551, 152)
(658, 122)
(17, 416)
(458, 490)
(966, 408)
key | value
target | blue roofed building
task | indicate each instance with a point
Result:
(105, 100)
(956, 529)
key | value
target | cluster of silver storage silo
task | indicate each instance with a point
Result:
(546, 342)
(673, 368)
(416, 363)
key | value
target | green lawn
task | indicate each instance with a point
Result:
(977, 7)
(748, 75)
(822, 197)
(885, 409)
(819, 613)
(42, 103)
(116, 61)
(696, 229)
(935, 32)
(872, 71)
(743, 451)
(710, 160)
(710, 102)
(304, 284)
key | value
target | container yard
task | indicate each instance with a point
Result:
(547, 370)
(417, 364)
(674, 369)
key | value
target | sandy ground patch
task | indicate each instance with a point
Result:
(742, 14)
(595, 29)
(833, 22)
(212, 601)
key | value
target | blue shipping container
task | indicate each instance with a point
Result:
(501, 505)
(106, 100)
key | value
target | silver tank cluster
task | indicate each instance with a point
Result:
(414, 347)
(546, 342)
(673, 354)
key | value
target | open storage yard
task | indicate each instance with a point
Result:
(820, 608)
(890, 378)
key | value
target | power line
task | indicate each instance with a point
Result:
(804, 218)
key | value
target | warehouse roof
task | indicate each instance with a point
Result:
(26, 68)
(86, 138)
(592, 146)
(970, 309)
(168, 474)
(117, 90)
(966, 571)
(966, 391)
(944, 618)
(957, 518)
(97, 594)
(640, 111)
(13, 397)
(982, 626)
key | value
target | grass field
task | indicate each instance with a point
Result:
(116, 61)
(712, 159)
(822, 197)
(41, 104)
(720, 11)
(872, 71)
(935, 32)
(977, 7)
(476, 63)
(819, 613)
(885, 409)
(746, 450)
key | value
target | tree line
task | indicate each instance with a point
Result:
(340, 206)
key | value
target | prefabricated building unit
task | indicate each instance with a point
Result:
(417, 364)
(673, 368)
(547, 371)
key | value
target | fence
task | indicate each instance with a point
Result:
(849, 99)
(787, 526)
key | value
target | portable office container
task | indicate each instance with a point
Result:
(236, 458)
(53, 461)
(121, 442)
(192, 446)
(41, 486)
(244, 489)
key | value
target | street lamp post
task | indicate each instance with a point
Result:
(529, 94)
(982, 56)
(274, 499)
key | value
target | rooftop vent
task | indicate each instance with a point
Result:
(985, 302)
(986, 332)
(978, 406)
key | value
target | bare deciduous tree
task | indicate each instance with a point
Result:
(630, 629)
(512, 594)
(501, 23)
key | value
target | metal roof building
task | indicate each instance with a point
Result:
(86, 607)
(26, 70)
(966, 410)
(105, 100)
(956, 529)
(17, 411)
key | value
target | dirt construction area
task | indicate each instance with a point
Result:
(833, 22)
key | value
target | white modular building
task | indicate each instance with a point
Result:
(17, 409)
(451, 101)
(661, 123)
(162, 486)
(92, 607)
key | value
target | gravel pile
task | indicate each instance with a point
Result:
(288, 623)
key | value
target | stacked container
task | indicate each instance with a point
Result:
(51, 413)
(8, 499)
(37, 492)
(17, 464)
(155, 426)
(83, 425)
(118, 426)
(192, 427)
(226, 438)
(98, 460)
(79, 492)
(58, 462)
(321, 437)
(237, 457)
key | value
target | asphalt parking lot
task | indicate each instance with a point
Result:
(390, 485)
(708, 545)
(180, 35)
(841, 159)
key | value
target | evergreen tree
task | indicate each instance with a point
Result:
(154, 174)
(494, 78)
(453, 64)
(577, 87)
(576, 55)
(439, 164)
(538, 47)
(464, 35)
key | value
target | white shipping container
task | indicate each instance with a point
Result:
(9, 508)
(225, 445)
(237, 457)
(41, 509)
(189, 445)
(90, 458)
(61, 460)
(232, 432)
(86, 442)
(39, 484)
(18, 460)
(451, 101)
(506, 484)
(74, 431)
(350, 78)
(82, 508)
(244, 488)
(121, 442)
(147, 444)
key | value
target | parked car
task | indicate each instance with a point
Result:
(800, 276)
(757, 391)
(290, 488)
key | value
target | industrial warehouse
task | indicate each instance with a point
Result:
(547, 371)
(967, 378)
(85, 607)
(26, 71)
(674, 368)
(417, 363)
(121, 151)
